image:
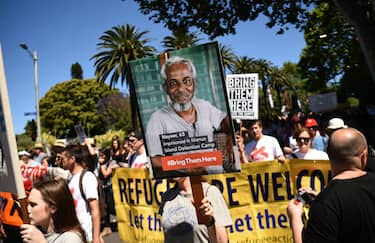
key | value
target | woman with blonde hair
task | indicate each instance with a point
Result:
(52, 215)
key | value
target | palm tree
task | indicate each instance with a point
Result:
(278, 81)
(181, 38)
(263, 68)
(118, 46)
(243, 65)
(228, 57)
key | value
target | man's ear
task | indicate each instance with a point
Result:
(364, 156)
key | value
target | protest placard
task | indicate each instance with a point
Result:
(243, 95)
(185, 113)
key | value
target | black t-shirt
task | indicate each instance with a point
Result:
(344, 212)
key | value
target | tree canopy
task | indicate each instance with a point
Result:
(217, 18)
(73, 102)
(118, 46)
(180, 39)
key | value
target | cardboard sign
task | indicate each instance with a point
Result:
(243, 95)
(80, 133)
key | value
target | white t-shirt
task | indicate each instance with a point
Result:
(90, 188)
(312, 154)
(266, 148)
(140, 161)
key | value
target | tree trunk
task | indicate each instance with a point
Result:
(365, 29)
(133, 103)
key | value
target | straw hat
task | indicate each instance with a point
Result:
(38, 146)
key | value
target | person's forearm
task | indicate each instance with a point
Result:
(297, 226)
(95, 216)
(243, 157)
(106, 171)
(221, 234)
(212, 234)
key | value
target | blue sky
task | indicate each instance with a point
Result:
(65, 32)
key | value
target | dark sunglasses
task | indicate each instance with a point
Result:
(303, 139)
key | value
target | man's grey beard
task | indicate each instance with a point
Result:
(180, 107)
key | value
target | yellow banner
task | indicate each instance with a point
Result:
(257, 198)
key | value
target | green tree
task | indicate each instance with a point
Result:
(243, 65)
(76, 71)
(73, 102)
(115, 111)
(298, 85)
(217, 18)
(263, 68)
(118, 46)
(329, 42)
(278, 81)
(334, 57)
(180, 38)
(228, 57)
(30, 129)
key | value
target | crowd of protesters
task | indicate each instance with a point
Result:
(85, 167)
(293, 135)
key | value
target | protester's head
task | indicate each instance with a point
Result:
(51, 207)
(71, 156)
(304, 138)
(104, 155)
(24, 156)
(38, 148)
(136, 140)
(256, 129)
(179, 82)
(312, 124)
(115, 144)
(56, 151)
(335, 124)
(126, 145)
(347, 149)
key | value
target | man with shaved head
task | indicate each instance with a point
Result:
(345, 210)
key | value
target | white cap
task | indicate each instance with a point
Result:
(23, 152)
(336, 123)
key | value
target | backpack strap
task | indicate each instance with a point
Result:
(131, 159)
(81, 188)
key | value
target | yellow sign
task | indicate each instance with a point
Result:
(257, 198)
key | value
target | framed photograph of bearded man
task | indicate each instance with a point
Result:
(184, 112)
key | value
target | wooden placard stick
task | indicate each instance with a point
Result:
(197, 189)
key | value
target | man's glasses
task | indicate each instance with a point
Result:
(58, 158)
(173, 83)
(303, 139)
